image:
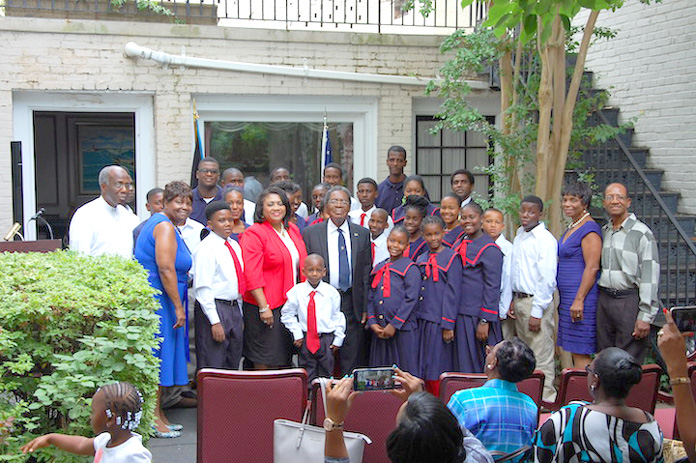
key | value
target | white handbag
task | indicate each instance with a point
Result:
(301, 442)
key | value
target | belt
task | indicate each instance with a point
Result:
(617, 293)
(229, 302)
(522, 295)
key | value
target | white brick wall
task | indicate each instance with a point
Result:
(87, 56)
(650, 70)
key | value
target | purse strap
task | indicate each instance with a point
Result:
(322, 384)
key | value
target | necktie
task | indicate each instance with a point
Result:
(362, 219)
(372, 249)
(312, 334)
(431, 267)
(343, 264)
(462, 251)
(241, 282)
(383, 274)
(407, 251)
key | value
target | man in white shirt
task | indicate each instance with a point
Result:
(533, 269)
(367, 195)
(493, 223)
(105, 225)
(217, 314)
(235, 177)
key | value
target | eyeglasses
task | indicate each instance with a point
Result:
(589, 370)
(209, 171)
(336, 201)
(616, 197)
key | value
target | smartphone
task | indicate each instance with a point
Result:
(684, 317)
(376, 378)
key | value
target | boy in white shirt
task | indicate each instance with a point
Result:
(367, 195)
(379, 226)
(313, 315)
(218, 283)
(493, 223)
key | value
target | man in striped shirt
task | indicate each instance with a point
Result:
(630, 271)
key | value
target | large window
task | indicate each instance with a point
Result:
(256, 148)
(439, 155)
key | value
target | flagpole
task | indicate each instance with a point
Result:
(324, 137)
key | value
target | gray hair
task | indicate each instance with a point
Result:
(336, 188)
(104, 173)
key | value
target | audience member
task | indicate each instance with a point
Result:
(477, 323)
(392, 305)
(279, 174)
(105, 225)
(493, 223)
(273, 250)
(440, 297)
(162, 251)
(533, 270)
(116, 413)
(497, 413)
(345, 248)
(218, 283)
(291, 189)
(449, 212)
(579, 250)
(414, 185)
(379, 227)
(318, 195)
(462, 182)
(415, 209)
(154, 204)
(234, 197)
(235, 178)
(391, 189)
(673, 350)
(606, 430)
(367, 194)
(208, 190)
(426, 431)
(333, 175)
(628, 282)
(313, 316)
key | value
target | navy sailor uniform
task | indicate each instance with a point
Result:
(453, 236)
(399, 212)
(482, 263)
(393, 299)
(416, 248)
(439, 306)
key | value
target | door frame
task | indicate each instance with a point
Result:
(141, 104)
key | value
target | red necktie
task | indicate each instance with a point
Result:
(372, 249)
(312, 334)
(462, 251)
(238, 269)
(386, 282)
(362, 219)
(431, 266)
(407, 250)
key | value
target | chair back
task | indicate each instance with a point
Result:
(372, 413)
(451, 382)
(533, 386)
(236, 410)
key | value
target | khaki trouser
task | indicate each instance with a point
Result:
(542, 343)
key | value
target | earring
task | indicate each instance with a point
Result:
(593, 387)
(489, 366)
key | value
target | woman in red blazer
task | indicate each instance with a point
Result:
(273, 252)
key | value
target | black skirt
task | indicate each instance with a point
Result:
(265, 345)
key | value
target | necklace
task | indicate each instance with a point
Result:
(579, 220)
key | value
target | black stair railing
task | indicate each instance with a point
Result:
(613, 162)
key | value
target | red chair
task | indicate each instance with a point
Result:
(667, 417)
(451, 382)
(644, 394)
(236, 410)
(373, 413)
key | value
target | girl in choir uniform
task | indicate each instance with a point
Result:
(477, 324)
(415, 209)
(413, 185)
(449, 212)
(441, 269)
(392, 306)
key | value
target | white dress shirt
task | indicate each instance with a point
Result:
(215, 275)
(191, 233)
(302, 211)
(357, 213)
(98, 228)
(292, 249)
(534, 266)
(381, 252)
(354, 204)
(327, 303)
(332, 242)
(465, 202)
(249, 210)
(505, 278)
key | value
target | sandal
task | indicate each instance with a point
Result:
(175, 427)
(170, 434)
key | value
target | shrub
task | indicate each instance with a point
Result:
(68, 324)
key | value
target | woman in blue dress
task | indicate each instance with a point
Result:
(161, 250)
(579, 252)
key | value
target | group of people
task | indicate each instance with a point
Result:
(387, 278)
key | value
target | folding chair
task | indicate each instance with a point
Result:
(452, 382)
(372, 413)
(236, 410)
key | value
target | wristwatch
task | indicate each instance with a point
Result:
(483, 321)
(330, 425)
(264, 309)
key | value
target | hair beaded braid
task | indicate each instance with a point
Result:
(124, 401)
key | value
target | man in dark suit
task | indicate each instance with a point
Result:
(345, 248)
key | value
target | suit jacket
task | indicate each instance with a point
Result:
(360, 258)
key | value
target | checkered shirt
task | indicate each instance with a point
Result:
(630, 260)
(497, 414)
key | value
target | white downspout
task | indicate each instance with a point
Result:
(133, 50)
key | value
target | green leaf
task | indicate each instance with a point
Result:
(530, 24)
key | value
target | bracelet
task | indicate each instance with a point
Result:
(264, 309)
(680, 381)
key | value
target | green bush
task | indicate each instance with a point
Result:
(68, 324)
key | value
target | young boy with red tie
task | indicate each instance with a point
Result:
(218, 283)
(313, 316)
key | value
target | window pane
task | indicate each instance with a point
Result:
(432, 185)
(453, 159)
(476, 139)
(453, 139)
(481, 185)
(425, 138)
(429, 161)
(476, 159)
